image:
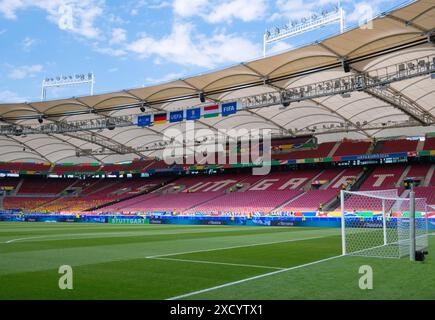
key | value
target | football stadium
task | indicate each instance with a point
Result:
(306, 174)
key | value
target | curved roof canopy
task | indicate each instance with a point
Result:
(398, 36)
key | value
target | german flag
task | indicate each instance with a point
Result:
(160, 118)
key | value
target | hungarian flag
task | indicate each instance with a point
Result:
(160, 118)
(211, 111)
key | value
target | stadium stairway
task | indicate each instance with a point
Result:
(429, 176)
(204, 202)
(48, 203)
(58, 199)
(334, 148)
(307, 186)
(403, 176)
(420, 145)
(17, 188)
(332, 181)
(148, 191)
(280, 207)
(378, 146)
(371, 148)
(360, 179)
(247, 183)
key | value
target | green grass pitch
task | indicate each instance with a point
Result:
(196, 262)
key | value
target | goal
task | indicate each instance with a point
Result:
(381, 224)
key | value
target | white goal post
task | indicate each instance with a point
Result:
(382, 224)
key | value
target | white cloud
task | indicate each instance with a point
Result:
(296, 9)
(185, 46)
(218, 11)
(11, 97)
(279, 47)
(149, 4)
(245, 10)
(364, 11)
(76, 16)
(28, 42)
(119, 35)
(9, 7)
(166, 78)
(188, 8)
(25, 71)
(159, 5)
(114, 52)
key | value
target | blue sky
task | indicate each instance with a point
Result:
(128, 44)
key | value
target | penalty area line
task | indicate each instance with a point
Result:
(252, 278)
(218, 263)
(235, 247)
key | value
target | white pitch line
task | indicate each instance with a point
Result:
(219, 263)
(67, 236)
(251, 278)
(233, 247)
(15, 240)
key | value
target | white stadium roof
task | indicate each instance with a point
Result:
(396, 37)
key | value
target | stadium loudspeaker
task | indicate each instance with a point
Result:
(142, 109)
(40, 120)
(110, 125)
(202, 97)
(346, 66)
(18, 132)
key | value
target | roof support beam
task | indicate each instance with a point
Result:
(390, 95)
(399, 101)
(52, 136)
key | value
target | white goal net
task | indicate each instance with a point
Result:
(379, 223)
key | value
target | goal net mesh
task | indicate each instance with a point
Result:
(377, 224)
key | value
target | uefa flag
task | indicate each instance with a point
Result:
(176, 116)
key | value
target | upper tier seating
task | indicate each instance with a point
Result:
(401, 145)
(429, 144)
(61, 169)
(351, 148)
(23, 166)
(322, 150)
(44, 185)
(134, 165)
